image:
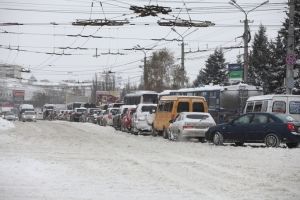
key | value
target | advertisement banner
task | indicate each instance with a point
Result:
(107, 97)
(18, 95)
(235, 72)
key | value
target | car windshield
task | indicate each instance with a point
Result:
(148, 108)
(29, 113)
(114, 111)
(9, 113)
(81, 110)
(195, 116)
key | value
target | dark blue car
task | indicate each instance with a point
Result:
(268, 128)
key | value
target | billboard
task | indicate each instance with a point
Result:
(107, 97)
(235, 72)
(18, 95)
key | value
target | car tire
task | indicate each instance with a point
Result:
(165, 133)
(135, 131)
(218, 138)
(292, 145)
(170, 135)
(201, 139)
(153, 132)
(239, 143)
(272, 140)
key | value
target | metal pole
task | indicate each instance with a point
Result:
(182, 55)
(291, 58)
(145, 72)
(246, 35)
(246, 48)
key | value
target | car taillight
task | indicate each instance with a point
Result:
(291, 127)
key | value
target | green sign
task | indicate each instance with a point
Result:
(236, 74)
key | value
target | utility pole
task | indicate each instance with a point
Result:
(182, 53)
(182, 48)
(246, 35)
(291, 57)
(145, 74)
(146, 84)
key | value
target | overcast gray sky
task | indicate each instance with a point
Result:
(38, 36)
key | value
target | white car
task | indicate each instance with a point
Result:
(141, 117)
(108, 116)
(28, 116)
(190, 125)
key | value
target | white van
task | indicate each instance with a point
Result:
(289, 104)
(140, 118)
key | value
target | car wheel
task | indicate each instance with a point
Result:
(272, 140)
(165, 133)
(239, 143)
(292, 145)
(135, 131)
(153, 132)
(170, 135)
(218, 138)
(202, 139)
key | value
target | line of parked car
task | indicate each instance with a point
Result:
(268, 119)
(184, 122)
(129, 118)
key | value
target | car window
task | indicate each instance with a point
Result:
(114, 111)
(178, 118)
(249, 107)
(147, 108)
(183, 107)
(257, 106)
(279, 106)
(198, 107)
(259, 119)
(285, 117)
(194, 116)
(264, 107)
(243, 119)
(294, 107)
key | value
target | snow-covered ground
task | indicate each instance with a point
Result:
(71, 161)
(4, 124)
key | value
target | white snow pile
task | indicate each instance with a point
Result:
(4, 124)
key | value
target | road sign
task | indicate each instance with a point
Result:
(291, 59)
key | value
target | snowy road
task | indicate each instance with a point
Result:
(71, 161)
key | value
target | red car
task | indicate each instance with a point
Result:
(126, 123)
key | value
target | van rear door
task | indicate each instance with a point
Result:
(294, 106)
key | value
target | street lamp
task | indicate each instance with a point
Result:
(246, 33)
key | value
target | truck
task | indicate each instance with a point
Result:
(23, 108)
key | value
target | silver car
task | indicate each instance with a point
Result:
(190, 125)
(10, 116)
(28, 116)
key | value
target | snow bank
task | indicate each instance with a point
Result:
(4, 124)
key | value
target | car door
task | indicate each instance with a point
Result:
(236, 130)
(257, 127)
